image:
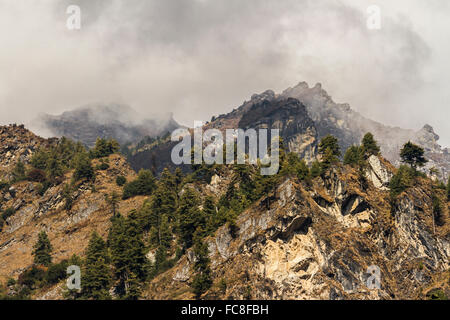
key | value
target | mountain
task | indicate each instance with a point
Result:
(302, 238)
(349, 127)
(305, 115)
(116, 121)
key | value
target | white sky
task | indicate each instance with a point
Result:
(201, 58)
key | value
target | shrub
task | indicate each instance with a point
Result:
(104, 148)
(83, 168)
(32, 278)
(121, 180)
(143, 185)
(56, 272)
(353, 156)
(402, 180)
(36, 175)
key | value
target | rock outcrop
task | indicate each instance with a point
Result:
(322, 241)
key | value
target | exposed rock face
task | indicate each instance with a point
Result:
(17, 143)
(378, 173)
(318, 242)
(349, 127)
(264, 111)
(107, 121)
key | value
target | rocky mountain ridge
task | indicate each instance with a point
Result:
(116, 121)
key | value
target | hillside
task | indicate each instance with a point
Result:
(304, 122)
(296, 235)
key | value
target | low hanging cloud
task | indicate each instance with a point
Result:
(200, 58)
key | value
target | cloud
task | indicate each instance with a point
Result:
(201, 58)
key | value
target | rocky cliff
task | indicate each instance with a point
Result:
(318, 241)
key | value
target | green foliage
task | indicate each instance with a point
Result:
(68, 198)
(354, 156)
(223, 285)
(316, 169)
(4, 185)
(104, 147)
(448, 189)
(18, 173)
(42, 250)
(438, 210)
(369, 145)
(96, 274)
(330, 142)
(202, 280)
(83, 168)
(113, 200)
(402, 180)
(121, 180)
(413, 155)
(56, 272)
(294, 166)
(437, 294)
(104, 165)
(127, 253)
(330, 151)
(33, 278)
(190, 217)
(143, 185)
(37, 175)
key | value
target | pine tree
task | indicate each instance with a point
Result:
(330, 142)
(83, 168)
(96, 277)
(164, 201)
(353, 156)
(113, 200)
(413, 155)
(202, 280)
(189, 216)
(369, 145)
(128, 253)
(54, 167)
(179, 176)
(42, 250)
(209, 212)
(448, 189)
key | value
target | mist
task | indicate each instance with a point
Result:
(201, 58)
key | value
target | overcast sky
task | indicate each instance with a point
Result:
(199, 58)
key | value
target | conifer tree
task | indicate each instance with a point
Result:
(189, 216)
(448, 189)
(353, 156)
(96, 277)
(210, 213)
(330, 142)
(202, 280)
(179, 176)
(42, 250)
(113, 200)
(54, 167)
(128, 252)
(369, 145)
(413, 155)
(83, 168)
(164, 201)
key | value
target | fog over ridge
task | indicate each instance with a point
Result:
(202, 58)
